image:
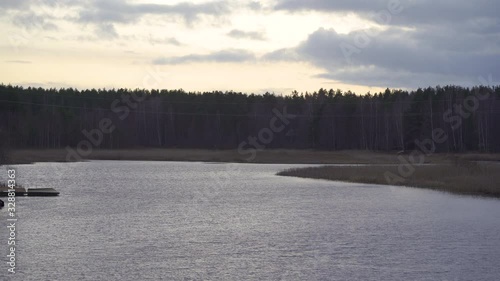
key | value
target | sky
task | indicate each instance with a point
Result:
(249, 46)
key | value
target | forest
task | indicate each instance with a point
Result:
(393, 120)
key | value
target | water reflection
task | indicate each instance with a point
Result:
(196, 221)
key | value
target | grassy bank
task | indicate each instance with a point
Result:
(461, 177)
(267, 156)
(451, 172)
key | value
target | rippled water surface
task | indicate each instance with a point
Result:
(200, 221)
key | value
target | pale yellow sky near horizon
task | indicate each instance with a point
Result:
(62, 52)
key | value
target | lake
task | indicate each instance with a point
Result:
(205, 221)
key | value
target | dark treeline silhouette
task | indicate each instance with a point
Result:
(325, 120)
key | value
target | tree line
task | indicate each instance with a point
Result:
(392, 120)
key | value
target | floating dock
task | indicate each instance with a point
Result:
(30, 192)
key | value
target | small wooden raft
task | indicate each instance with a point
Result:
(30, 192)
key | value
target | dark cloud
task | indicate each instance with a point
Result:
(231, 55)
(381, 77)
(240, 34)
(424, 43)
(396, 57)
(479, 16)
(413, 12)
(446, 12)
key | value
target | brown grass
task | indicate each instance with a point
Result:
(462, 177)
(267, 156)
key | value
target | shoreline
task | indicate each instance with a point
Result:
(474, 174)
(275, 156)
(465, 178)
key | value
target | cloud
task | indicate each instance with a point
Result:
(422, 43)
(255, 5)
(169, 41)
(13, 4)
(331, 5)
(125, 12)
(106, 31)
(47, 85)
(224, 56)
(104, 16)
(398, 57)
(240, 34)
(18, 61)
(106, 13)
(285, 54)
(30, 14)
(426, 12)
(417, 42)
(31, 20)
(382, 77)
(403, 12)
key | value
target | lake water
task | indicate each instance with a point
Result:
(201, 221)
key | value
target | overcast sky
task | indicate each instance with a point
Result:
(250, 46)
